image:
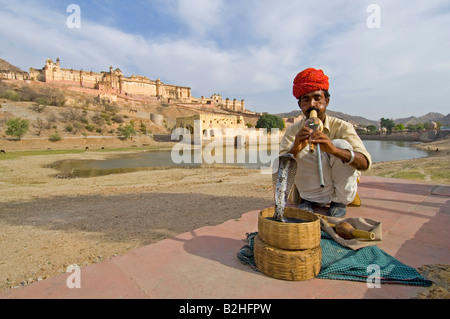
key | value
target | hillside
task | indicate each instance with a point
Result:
(427, 118)
(73, 114)
(350, 118)
(58, 110)
(6, 66)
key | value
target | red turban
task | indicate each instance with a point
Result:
(310, 80)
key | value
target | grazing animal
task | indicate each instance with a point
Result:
(3, 152)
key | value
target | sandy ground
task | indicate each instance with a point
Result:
(47, 224)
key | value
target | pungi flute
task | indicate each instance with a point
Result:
(315, 124)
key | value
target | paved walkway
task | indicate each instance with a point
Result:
(202, 264)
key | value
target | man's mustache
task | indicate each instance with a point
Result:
(313, 109)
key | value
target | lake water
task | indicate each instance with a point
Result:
(384, 151)
(254, 158)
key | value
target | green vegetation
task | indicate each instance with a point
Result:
(126, 131)
(440, 174)
(415, 127)
(391, 126)
(44, 96)
(409, 174)
(10, 95)
(55, 137)
(17, 154)
(17, 127)
(387, 124)
(268, 122)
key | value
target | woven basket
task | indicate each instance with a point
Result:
(289, 236)
(287, 264)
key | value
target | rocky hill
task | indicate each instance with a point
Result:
(427, 118)
(52, 109)
(6, 66)
(349, 118)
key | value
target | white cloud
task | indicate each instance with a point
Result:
(388, 71)
(273, 41)
(200, 15)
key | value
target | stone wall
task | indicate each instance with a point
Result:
(14, 75)
(210, 124)
(113, 82)
(216, 100)
(422, 136)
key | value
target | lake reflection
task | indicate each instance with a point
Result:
(254, 158)
(384, 151)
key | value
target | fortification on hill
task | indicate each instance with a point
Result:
(113, 84)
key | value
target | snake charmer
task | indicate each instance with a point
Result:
(343, 154)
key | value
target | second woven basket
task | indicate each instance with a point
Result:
(288, 251)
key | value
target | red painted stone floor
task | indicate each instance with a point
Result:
(202, 264)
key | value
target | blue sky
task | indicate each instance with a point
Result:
(250, 49)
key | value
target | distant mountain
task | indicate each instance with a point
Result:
(430, 117)
(427, 118)
(349, 118)
(5, 66)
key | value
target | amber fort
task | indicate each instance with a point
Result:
(113, 84)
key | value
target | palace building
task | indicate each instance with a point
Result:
(112, 81)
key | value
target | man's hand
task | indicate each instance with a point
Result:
(326, 145)
(307, 135)
(301, 140)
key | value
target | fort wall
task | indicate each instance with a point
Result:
(422, 136)
(112, 84)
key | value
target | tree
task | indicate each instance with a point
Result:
(387, 123)
(17, 127)
(400, 127)
(269, 122)
(415, 127)
(41, 125)
(127, 131)
(371, 128)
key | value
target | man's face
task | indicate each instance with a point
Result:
(314, 100)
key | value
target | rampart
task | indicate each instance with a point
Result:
(421, 136)
(113, 84)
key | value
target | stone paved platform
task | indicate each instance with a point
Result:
(202, 264)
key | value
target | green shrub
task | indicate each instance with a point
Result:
(127, 131)
(268, 122)
(118, 119)
(10, 95)
(43, 101)
(55, 137)
(17, 127)
(69, 128)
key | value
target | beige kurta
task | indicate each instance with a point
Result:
(340, 180)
